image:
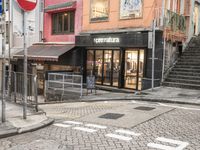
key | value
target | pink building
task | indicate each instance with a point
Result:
(57, 51)
(62, 20)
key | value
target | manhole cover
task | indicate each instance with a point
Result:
(111, 116)
(144, 108)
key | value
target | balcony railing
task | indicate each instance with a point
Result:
(173, 24)
(171, 20)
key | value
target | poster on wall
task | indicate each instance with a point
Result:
(130, 9)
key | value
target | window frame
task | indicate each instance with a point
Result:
(99, 19)
(54, 18)
(129, 18)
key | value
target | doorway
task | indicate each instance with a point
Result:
(106, 66)
(134, 66)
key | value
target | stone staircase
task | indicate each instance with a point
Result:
(186, 72)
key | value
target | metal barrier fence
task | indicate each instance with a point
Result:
(61, 84)
(16, 91)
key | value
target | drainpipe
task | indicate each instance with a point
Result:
(153, 54)
(164, 42)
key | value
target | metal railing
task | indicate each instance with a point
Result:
(61, 84)
(166, 18)
(16, 91)
(175, 22)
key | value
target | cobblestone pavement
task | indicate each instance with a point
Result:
(175, 130)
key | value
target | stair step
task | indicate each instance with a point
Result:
(188, 63)
(190, 56)
(175, 80)
(189, 60)
(180, 85)
(184, 73)
(187, 77)
(186, 69)
(187, 66)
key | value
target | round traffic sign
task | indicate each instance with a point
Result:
(27, 5)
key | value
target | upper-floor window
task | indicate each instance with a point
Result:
(130, 9)
(99, 10)
(63, 23)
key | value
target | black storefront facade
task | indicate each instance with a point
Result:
(121, 60)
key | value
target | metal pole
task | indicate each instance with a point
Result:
(9, 54)
(164, 53)
(153, 54)
(35, 93)
(25, 67)
(3, 113)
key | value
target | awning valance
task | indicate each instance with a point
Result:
(45, 52)
(60, 7)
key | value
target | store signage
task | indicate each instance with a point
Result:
(106, 40)
(27, 5)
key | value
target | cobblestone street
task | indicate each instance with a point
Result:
(176, 129)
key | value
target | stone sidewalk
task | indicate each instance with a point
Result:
(159, 94)
(15, 124)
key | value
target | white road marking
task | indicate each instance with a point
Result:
(120, 137)
(159, 146)
(73, 122)
(128, 132)
(85, 129)
(62, 125)
(181, 145)
(186, 108)
(96, 126)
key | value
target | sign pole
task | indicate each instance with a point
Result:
(153, 54)
(25, 5)
(3, 113)
(25, 66)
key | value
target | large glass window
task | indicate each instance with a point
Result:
(130, 9)
(63, 23)
(98, 66)
(107, 67)
(90, 62)
(116, 67)
(99, 10)
(131, 58)
(134, 63)
(141, 69)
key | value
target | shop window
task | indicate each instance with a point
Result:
(90, 62)
(99, 10)
(63, 23)
(130, 9)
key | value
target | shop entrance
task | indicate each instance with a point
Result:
(104, 64)
(134, 64)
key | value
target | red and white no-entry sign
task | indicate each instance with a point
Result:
(27, 5)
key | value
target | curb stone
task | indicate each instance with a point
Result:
(15, 131)
(143, 99)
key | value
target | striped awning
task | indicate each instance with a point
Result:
(60, 7)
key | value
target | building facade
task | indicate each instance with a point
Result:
(117, 34)
(115, 41)
(56, 52)
(14, 30)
